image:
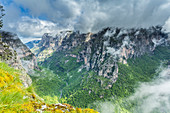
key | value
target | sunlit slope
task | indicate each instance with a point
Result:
(15, 98)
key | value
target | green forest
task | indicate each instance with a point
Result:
(75, 90)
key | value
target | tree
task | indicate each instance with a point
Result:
(1, 15)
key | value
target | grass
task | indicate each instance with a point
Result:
(82, 89)
(15, 98)
(11, 90)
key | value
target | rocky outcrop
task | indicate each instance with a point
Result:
(49, 44)
(27, 58)
(9, 55)
(113, 45)
(17, 55)
(102, 51)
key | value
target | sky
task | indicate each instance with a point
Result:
(30, 19)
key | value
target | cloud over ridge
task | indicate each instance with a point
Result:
(90, 15)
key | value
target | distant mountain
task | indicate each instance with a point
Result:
(113, 44)
(32, 44)
(98, 66)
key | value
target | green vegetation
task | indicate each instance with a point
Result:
(81, 88)
(140, 69)
(12, 91)
(46, 83)
(15, 98)
(61, 64)
(60, 80)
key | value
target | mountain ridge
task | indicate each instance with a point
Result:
(93, 65)
(114, 44)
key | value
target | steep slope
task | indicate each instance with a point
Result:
(49, 44)
(14, 97)
(92, 65)
(113, 44)
(28, 59)
(16, 93)
(9, 55)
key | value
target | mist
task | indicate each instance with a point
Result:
(151, 97)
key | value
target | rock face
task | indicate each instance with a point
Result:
(9, 55)
(17, 55)
(102, 51)
(49, 44)
(27, 58)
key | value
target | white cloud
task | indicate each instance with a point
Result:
(154, 96)
(132, 13)
(151, 97)
(28, 39)
(33, 27)
(85, 15)
(106, 107)
(167, 25)
(60, 11)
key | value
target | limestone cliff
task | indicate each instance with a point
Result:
(28, 59)
(102, 51)
(17, 55)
